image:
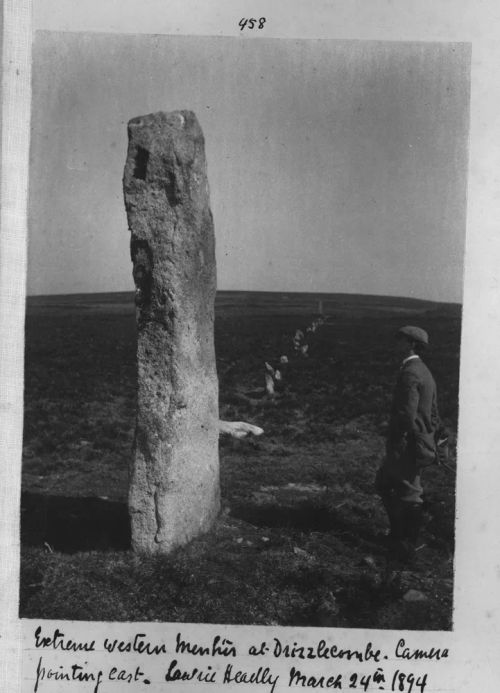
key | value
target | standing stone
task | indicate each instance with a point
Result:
(174, 479)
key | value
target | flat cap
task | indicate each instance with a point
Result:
(415, 333)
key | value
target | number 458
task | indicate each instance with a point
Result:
(250, 23)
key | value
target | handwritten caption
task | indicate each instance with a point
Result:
(270, 665)
(252, 23)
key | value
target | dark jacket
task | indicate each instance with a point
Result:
(414, 413)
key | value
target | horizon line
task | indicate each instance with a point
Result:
(262, 291)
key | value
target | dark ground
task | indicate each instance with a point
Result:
(299, 539)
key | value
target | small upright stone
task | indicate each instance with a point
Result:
(174, 479)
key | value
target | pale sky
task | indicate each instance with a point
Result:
(333, 165)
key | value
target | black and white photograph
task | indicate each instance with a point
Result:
(243, 328)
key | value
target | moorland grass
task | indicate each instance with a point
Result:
(298, 541)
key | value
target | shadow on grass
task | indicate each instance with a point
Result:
(74, 524)
(308, 516)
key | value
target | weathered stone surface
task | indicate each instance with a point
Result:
(174, 480)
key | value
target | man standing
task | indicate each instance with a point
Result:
(411, 442)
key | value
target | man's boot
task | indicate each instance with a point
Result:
(411, 525)
(394, 512)
(413, 522)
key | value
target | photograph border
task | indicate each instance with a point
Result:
(476, 616)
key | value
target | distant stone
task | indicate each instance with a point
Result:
(415, 596)
(174, 480)
(239, 429)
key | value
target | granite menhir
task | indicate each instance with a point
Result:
(174, 492)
